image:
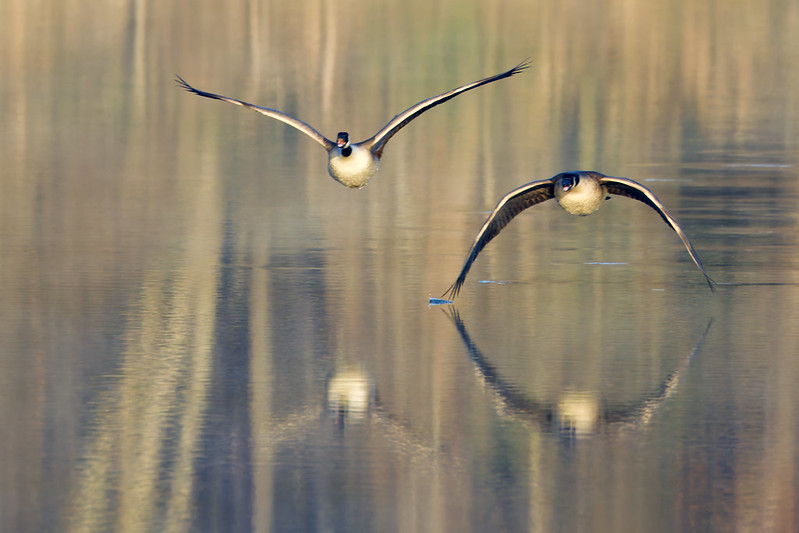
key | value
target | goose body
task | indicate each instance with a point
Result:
(583, 198)
(579, 193)
(354, 164)
(352, 168)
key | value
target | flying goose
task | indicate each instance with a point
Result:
(579, 193)
(352, 164)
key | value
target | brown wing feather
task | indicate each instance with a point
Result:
(304, 127)
(508, 207)
(636, 191)
(378, 141)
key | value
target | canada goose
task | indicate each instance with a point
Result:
(579, 193)
(352, 164)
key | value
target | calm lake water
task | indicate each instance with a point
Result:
(201, 331)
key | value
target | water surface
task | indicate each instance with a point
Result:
(201, 331)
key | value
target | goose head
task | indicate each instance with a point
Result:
(568, 181)
(343, 143)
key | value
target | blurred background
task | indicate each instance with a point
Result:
(201, 331)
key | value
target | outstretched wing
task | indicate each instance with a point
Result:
(636, 191)
(307, 129)
(380, 138)
(508, 207)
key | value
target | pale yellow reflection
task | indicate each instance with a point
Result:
(578, 413)
(260, 393)
(156, 407)
(350, 393)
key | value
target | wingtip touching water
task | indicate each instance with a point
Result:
(578, 193)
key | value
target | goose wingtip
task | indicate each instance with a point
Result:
(523, 65)
(183, 84)
(711, 283)
(452, 292)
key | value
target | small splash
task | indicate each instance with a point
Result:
(495, 281)
(758, 165)
(439, 301)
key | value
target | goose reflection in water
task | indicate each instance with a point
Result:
(352, 403)
(351, 396)
(575, 414)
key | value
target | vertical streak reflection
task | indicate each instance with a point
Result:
(141, 442)
(260, 397)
